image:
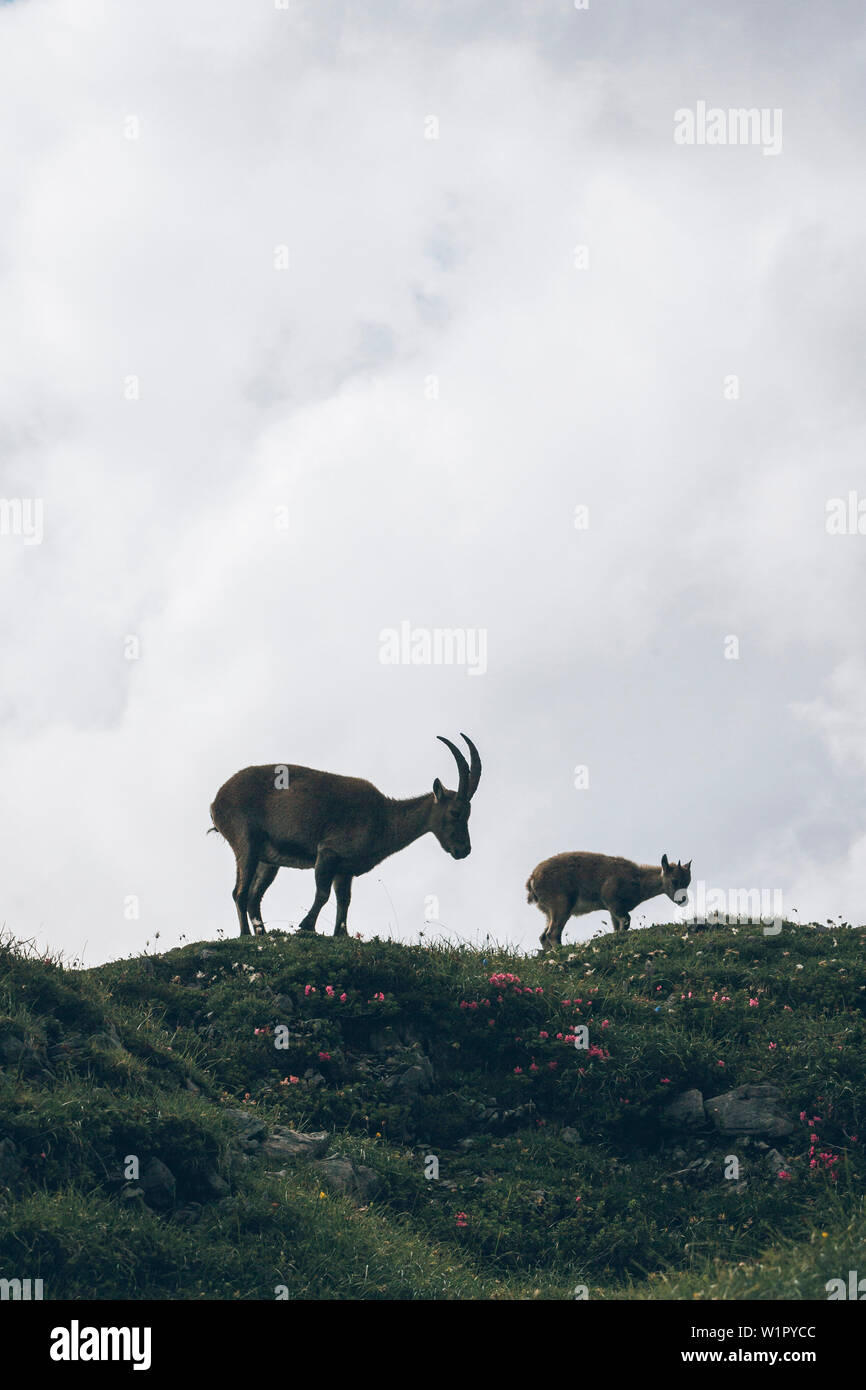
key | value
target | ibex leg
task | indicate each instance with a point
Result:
(246, 863)
(343, 891)
(326, 865)
(557, 915)
(262, 880)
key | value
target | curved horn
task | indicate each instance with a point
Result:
(475, 769)
(463, 787)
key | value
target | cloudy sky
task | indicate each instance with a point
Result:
(323, 319)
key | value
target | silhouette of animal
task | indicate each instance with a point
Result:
(568, 885)
(298, 818)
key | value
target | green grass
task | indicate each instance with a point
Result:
(144, 1057)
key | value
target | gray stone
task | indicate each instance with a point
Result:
(344, 1175)
(750, 1110)
(696, 1169)
(10, 1164)
(247, 1123)
(569, 1135)
(158, 1183)
(293, 1143)
(685, 1109)
(411, 1081)
(188, 1214)
(381, 1039)
(214, 1185)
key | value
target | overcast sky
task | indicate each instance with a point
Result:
(299, 344)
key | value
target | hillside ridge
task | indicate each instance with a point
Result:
(341, 1118)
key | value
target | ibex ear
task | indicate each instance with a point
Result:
(665, 864)
(438, 790)
(688, 866)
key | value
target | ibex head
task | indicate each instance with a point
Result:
(676, 879)
(449, 821)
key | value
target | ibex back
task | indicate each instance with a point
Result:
(568, 885)
(298, 818)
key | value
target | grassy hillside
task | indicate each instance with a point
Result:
(556, 1168)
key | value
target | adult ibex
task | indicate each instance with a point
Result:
(568, 885)
(298, 818)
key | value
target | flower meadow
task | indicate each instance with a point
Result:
(511, 1109)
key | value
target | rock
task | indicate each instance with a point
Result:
(412, 1081)
(131, 1193)
(696, 1169)
(750, 1110)
(68, 1052)
(315, 1078)
(213, 1185)
(10, 1164)
(685, 1109)
(512, 1119)
(191, 1086)
(382, 1039)
(158, 1183)
(344, 1175)
(188, 1214)
(389, 1038)
(247, 1123)
(775, 1160)
(569, 1135)
(293, 1143)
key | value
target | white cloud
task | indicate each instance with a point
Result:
(305, 388)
